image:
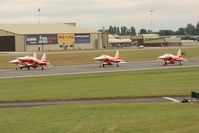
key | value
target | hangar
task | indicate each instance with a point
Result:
(46, 37)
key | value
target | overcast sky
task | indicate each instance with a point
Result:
(94, 14)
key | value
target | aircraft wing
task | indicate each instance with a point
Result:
(178, 58)
(166, 57)
(104, 58)
(118, 61)
(26, 59)
(42, 63)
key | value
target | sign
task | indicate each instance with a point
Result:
(31, 39)
(66, 38)
(82, 38)
(41, 39)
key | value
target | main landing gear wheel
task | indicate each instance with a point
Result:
(103, 65)
(42, 68)
(117, 65)
(180, 64)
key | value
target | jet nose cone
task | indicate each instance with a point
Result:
(96, 58)
(14, 61)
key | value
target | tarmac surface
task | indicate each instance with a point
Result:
(93, 68)
(15, 104)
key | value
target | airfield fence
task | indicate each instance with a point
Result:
(194, 95)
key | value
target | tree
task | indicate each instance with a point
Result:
(123, 30)
(166, 32)
(133, 31)
(197, 28)
(110, 30)
(181, 31)
(114, 30)
(190, 29)
(143, 31)
(118, 31)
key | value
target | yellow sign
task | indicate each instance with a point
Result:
(66, 38)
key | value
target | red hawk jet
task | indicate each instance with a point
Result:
(172, 59)
(31, 61)
(108, 60)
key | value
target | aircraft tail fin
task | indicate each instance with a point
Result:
(179, 53)
(35, 55)
(117, 55)
(44, 57)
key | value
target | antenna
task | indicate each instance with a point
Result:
(151, 13)
(39, 14)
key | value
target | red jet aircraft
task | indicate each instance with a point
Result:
(172, 59)
(31, 61)
(108, 60)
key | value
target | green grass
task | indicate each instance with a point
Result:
(102, 118)
(86, 57)
(98, 85)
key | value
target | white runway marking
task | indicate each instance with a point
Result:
(172, 99)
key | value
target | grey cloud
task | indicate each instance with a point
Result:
(96, 13)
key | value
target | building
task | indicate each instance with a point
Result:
(119, 41)
(45, 37)
(154, 40)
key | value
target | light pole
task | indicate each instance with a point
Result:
(151, 22)
(39, 14)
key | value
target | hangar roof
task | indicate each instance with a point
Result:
(44, 28)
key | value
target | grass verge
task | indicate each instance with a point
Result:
(106, 118)
(161, 82)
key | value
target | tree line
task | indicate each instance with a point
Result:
(190, 29)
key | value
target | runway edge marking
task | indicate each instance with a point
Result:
(172, 99)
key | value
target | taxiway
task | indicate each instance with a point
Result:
(93, 68)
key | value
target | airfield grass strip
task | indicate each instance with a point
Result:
(106, 118)
(161, 82)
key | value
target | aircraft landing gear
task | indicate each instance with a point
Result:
(20, 68)
(102, 65)
(165, 64)
(180, 64)
(117, 65)
(42, 68)
(28, 68)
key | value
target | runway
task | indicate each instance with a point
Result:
(14, 104)
(93, 68)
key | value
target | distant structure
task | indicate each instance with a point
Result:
(119, 41)
(154, 40)
(145, 40)
(43, 37)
